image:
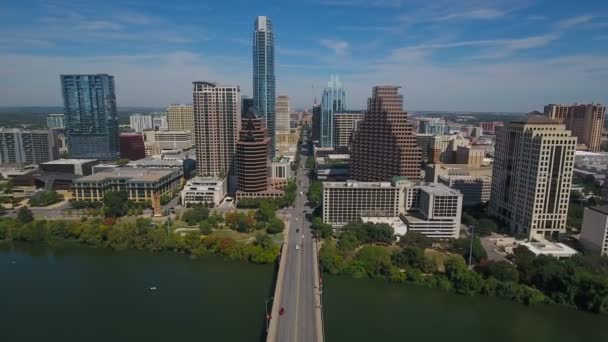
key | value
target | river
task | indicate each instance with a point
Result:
(76, 293)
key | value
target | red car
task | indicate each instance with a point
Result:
(281, 311)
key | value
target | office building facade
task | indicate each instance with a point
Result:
(55, 121)
(532, 176)
(433, 126)
(316, 122)
(474, 189)
(140, 122)
(264, 83)
(252, 155)
(217, 112)
(385, 131)
(180, 117)
(345, 124)
(23, 147)
(332, 101)
(585, 121)
(283, 114)
(132, 146)
(91, 116)
(208, 190)
(489, 127)
(594, 232)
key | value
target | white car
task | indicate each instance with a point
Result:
(297, 247)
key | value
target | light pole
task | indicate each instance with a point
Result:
(471, 246)
(267, 315)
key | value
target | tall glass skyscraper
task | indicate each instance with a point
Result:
(91, 118)
(263, 75)
(333, 101)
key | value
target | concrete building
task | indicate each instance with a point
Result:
(283, 114)
(159, 123)
(385, 131)
(78, 167)
(585, 121)
(474, 189)
(433, 210)
(432, 172)
(140, 122)
(217, 112)
(169, 140)
(264, 82)
(591, 161)
(434, 126)
(594, 233)
(132, 146)
(247, 105)
(316, 123)
(208, 190)
(280, 168)
(532, 176)
(139, 184)
(55, 121)
(180, 117)
(444, 147)
(91, 116)
(23, 147)
(287, 144)
(470, 155)
(345, 124)
(332, 101)
(489, 127)
(425, 141)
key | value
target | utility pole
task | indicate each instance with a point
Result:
(471, 246)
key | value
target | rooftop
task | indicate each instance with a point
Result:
(356, 184)
(535, 117)
(602, 209)
(439, 189)
(132, 174)
(69, 161)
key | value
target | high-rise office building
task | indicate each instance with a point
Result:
(132, 146)
(252, 152)
(345, 124)
(384, 145)
(180, 117)
(159, 123)
(23, 147)
(55, 121)
(332, 101)
(263, 75)
(532, 176)
(316, 122)
(585, 121)
(283, 112)
(140, 122)
(431, 126)
(217, 112)
(91, 116)
(489, 127)
(247, 104)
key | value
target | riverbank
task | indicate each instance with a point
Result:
(73, 293)
(138, 234)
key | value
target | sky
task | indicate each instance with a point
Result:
(464, 55)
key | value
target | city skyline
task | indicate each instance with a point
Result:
(499, 56)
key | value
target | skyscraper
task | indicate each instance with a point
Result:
(55, 121)
(216, 124)
(333, 101)
(316, 122)
(283, 118)
(384, 145)
(23, 147)
(252, 151)
(180, 117)
(345, 124)
(532, 176)
(263, 75)
(91, 116)
(585, 121)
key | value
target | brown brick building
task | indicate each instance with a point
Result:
(252, 155)
(384, 145)
(585, 121)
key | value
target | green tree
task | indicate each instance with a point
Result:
(205, 228)
(45, 198)
(267, 211)
(194, 216)
(322, 230)
(330, 259)
(464, 281)
(501, 270)
(468, 219)
(412, 257)
(485, 227)
(315, 193)
(375, 260)
(264, 241)
(116, 203)
(122, 162)
(24, 215)
(416, 239)
(348, 241)
(462, 246)
(275, 226)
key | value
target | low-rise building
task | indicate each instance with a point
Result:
(77, 167)
(167, 140)
(549, 248)
(280, 168)
(433, 171)
(594, 233)
(139, 184)
(207, 190)
(471, 155)
(474, 189)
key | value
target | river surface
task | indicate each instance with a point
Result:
(85, 294)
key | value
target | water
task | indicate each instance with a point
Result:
(85, 294)
(374, 310)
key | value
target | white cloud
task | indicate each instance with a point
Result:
(100, 25)
(480, 14)
(574, 21)
(339, 47)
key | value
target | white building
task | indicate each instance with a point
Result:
(140, 122)
(55, 121)
(167, 140)
(433, 210)
(204, 190)
(282, 110)
(594, 234)
(555, 249)
(280, 168)
(591, 161)
(159, 123)
(532, 176)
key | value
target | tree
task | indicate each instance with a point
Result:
(315, 193)
(464, 281)
(468, 219)
(267, 211)
(501, 270)
(122, 162)
(24, 215)
(462, 246)
(348, 241)
(330, 259)
(323, 230)
(264, 241)
(375, 260)
(275, 226)
(485, 227)
(205, 228)
(116, 203)
(44, 198)
(416, 239)
(195, 215)
(412, 257)
(164, 199)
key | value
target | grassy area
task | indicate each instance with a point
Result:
(438, 257)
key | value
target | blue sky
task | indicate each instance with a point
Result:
(448, 55)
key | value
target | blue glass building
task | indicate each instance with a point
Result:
(263, 75)
(332, 101)
(91, 118)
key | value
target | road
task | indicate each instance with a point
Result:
(301, 318)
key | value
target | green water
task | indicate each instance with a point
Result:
(374, 310)
(84, 294)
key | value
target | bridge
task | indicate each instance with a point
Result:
(298, 287)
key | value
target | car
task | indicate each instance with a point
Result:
(297, 230)
(297, 247)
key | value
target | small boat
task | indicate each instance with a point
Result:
(153, 288)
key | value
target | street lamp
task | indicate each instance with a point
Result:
(471, 246)
(267, 315)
